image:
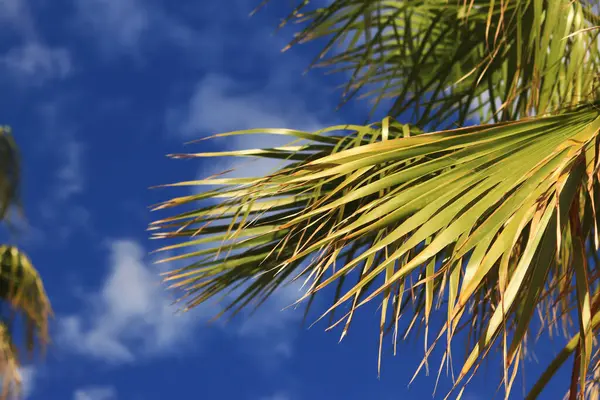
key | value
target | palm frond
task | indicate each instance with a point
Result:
(9, 364)
(491, 220)
(21, 288)
(10, 169)
(22, 292)
(448, 61)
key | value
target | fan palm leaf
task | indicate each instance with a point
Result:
(448, 61)
(21, 287)
(491, 221)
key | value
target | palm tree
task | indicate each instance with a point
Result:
(21, 288)
(426, 209)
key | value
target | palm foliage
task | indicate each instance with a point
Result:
(488, 222)
(21, 288)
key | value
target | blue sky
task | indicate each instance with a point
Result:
(97, 92)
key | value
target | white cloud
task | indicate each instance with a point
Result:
(130, 317)
(61, 212)
(37, 63)
(32, 62)
(124, 26)
(70, 174)
(120, 22)
(16, 14)
(28, 377)
(274, 327)
(218, 104)
(59, 209)
(69, 179)
(95, 393)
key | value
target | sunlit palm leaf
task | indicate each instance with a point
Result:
(9, 364)
(504, 210)
(446, 60)
(21, 288)
(492, 221)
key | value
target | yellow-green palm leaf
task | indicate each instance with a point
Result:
(491, 217)
(21, 289)
(487, 222)
(444, 60)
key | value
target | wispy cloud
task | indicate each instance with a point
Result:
(217, 105)
(127, 26)
(130, 316)
(95, 393)
(15, 14)
(69, 176)
(220, 104)
(59, 136)
(274, 327)
(202, 29)
(31, 61)
(36, 63)
(61, 209)
(116, 22)
(28, 377)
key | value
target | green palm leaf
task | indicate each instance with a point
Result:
(490, 222)
(497, 205)
(448, 61)
(21, 288)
